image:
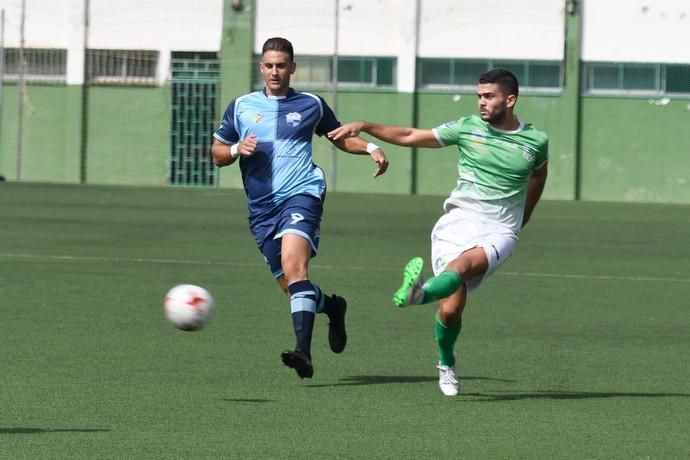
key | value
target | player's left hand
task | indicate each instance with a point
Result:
(381, 162)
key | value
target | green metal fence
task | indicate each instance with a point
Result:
(194, 86)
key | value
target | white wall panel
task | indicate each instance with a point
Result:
(524, 29)
(521, 29)
(129, 24)
(637, 31)
(365, 27)
(156, 24)
(48, 23)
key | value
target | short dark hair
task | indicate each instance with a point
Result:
(279, 44)
(503, 78)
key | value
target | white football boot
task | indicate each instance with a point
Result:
(447, 380)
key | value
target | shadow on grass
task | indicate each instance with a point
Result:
(27, 430)
(247, 400)
(567, 395)
(357, 380)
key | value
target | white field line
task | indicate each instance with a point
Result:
(143, 260)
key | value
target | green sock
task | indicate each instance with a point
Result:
(441, 286)
(446, 336)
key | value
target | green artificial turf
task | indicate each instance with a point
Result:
(577, 348)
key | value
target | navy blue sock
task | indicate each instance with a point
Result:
(303, 297)
(328, 302)
(323, 302)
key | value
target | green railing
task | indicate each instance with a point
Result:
(194, 86)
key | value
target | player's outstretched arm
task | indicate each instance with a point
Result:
(359, 146)
(399, 135)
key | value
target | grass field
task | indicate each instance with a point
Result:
(578, 348)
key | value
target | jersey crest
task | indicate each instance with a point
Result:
(527, 153)
(478, 136)
(293, 119)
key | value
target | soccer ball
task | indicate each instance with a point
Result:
(188, 307)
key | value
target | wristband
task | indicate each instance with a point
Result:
(234, 151)
(371, 147)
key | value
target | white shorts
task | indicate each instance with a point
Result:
(458, 231)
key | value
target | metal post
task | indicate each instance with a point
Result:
(83, 150)
(20, 92)
(414, 157)
(572, 85)
(334, 103)
(2, 66)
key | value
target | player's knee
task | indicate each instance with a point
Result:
(294, 269)
(470, 263)
(460, 266)
(450, 314)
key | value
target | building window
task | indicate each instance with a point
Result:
(366, 72)
(121, 67)
(636, 78)
(677, 78)
(40, 65)
(454, 74)
(312, 72)
(353, 73)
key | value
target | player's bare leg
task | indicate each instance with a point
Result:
(448, 321)
(295, 255)
(306, 299)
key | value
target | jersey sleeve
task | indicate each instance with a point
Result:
(328, 120)
(448, 133)
(542, 153)
(226, 132)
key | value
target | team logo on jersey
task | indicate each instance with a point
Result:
(478, 136)
(293, 119)
(258, 118)
(527, 153)
(440, 264)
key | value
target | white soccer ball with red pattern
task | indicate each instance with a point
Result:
(188, 307)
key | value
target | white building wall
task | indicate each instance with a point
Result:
(180, 25)
(529, 29)
(613, 30)
(524, 29)
(365, 28)
(500, 29)
(373, 26)
(48, 23)
(637, 31)
(163, 25)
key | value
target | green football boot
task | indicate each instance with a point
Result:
(411, 291)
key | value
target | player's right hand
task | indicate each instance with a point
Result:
(347, 130)
(248, 145)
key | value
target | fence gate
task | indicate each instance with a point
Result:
(194, 101)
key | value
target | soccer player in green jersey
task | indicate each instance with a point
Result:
(502, 170)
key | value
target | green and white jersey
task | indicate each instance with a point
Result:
(493, 167)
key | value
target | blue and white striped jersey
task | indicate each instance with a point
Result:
(284, 126)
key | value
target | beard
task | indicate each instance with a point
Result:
(495, 117)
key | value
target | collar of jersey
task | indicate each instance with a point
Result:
(289, 94)
(506, 131)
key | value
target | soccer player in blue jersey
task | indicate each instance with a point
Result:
(270, 132)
